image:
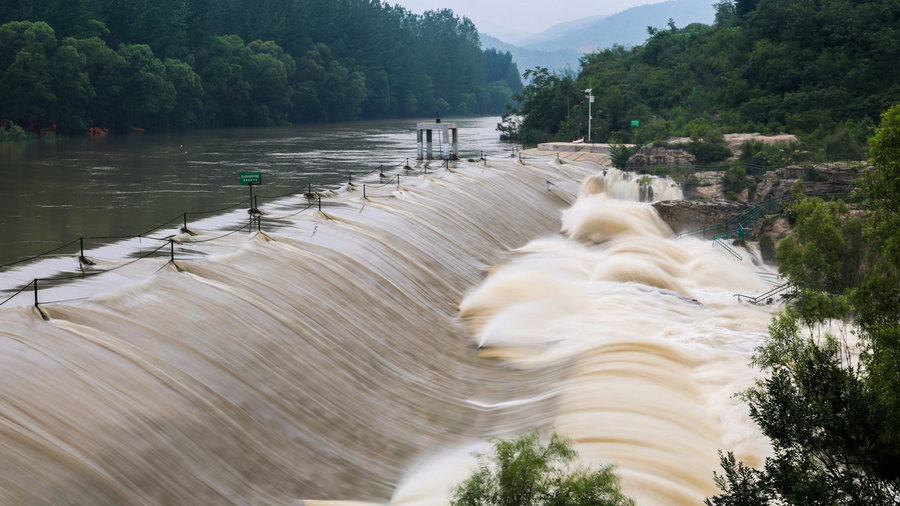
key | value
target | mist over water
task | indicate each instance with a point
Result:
(362, 353)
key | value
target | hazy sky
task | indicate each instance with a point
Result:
(521, 17)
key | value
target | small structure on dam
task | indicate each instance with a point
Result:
(448, 134)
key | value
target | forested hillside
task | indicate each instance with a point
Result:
(816, 67)
(215, 63)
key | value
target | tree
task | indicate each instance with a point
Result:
(831, 407)
(106, 73)
(188, 93)
(148, 96)
(71, 86)
(313, 60)
(523, 471)
(28, 81)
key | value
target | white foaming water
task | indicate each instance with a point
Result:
(327, 360)
(657, 343)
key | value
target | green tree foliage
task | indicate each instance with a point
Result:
(830, 406)
(620, 153)
(546, 102)
(825, 254)
(707, 142)
(734, 180)
(210, 63)
(817, 67)
(27, 85)
(10, 132)
(523, 471)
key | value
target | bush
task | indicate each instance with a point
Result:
(11, 132)
(735, 179)
(521, 471)
(707, 142)
(811, 174)
(760, 157)
(620, 153)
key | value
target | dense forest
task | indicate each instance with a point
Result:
(811, 67)
(153, 65)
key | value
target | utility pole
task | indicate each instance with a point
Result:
(590, 101)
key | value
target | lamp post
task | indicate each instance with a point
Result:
(590, 101)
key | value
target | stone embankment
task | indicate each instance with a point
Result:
(685, 215)
(653, 156)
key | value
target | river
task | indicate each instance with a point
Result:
(120, 185)
(361, 352)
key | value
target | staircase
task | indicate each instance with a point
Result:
(785, 291)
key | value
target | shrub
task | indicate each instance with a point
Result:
(11, 132)
(735, 179)
(522, 471)
(620, 153)
(707, 142)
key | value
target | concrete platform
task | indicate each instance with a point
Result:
(594, 154)
(593, 147)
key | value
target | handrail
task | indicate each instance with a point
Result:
(778, 290)
(727, 248)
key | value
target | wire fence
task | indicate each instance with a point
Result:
(314, 192)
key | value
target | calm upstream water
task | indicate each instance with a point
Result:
(124, 185)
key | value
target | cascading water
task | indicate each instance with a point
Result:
(328, 359)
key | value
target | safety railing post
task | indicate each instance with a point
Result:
(185, 223)
(320, 202)
(364, 191)
(35, 292)
(172, 250)
(398, 179)
(81, 248)
(350, 178)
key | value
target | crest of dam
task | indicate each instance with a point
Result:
(363, 351)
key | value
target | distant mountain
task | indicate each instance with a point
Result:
(561, 45)
(561, 30)
(529, 59)
(628, 28)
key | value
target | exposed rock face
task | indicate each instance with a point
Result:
(778, 183)
(651, 155)
(684, 215)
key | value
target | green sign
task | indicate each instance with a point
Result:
(635, 122)
(251, 178)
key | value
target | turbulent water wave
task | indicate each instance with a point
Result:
(657, 342)
(360, 353)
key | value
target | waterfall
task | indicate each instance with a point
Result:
(361, 352)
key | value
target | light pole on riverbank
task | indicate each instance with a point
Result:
(590, 101)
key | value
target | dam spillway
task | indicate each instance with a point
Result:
(329, 358)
